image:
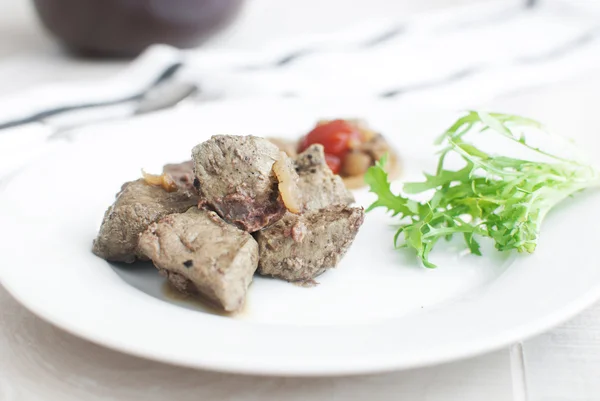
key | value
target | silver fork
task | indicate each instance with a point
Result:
(156, 68)
(35, 129)
(160, 97)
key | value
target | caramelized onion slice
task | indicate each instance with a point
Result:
(164, 180)
(288, 183)
(286, 145)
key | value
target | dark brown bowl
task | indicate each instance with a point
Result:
(126, 27)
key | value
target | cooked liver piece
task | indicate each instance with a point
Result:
(202, 254)
(235, 176)
(300, 247)
(318, 185)
(136, 207)
(182, 173)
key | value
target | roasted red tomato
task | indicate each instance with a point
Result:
(334, 163)
(336, 137)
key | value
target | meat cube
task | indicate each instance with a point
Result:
(300, 247)
(235, 176)
(182, 173)
(203, 255)
(318, 185)
(136, 207)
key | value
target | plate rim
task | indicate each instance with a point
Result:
(535, 328)
(496, 342)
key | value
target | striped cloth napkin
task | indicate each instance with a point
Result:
(456, 58)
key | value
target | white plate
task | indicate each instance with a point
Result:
(377, 311)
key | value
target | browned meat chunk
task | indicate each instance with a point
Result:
(300, 247)
(318, 185)
(202, 255)
(235, 176)
(182, 173)
(136, 207)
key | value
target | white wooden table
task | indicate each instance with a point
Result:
(41, 362)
